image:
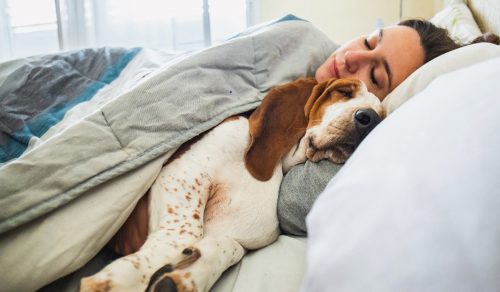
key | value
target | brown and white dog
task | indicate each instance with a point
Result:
(217, 197)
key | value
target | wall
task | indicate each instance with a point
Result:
(343, 20)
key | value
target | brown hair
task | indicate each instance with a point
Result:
(436, 41)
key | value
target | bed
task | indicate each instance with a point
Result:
(59, 209)
(416, 207)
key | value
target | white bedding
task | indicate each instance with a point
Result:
(278, 267)
(416, 207)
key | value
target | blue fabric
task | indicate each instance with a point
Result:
(52, 85)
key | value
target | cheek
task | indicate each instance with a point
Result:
(322, 71)
(320, 74)
(363, 75)
(368, 84)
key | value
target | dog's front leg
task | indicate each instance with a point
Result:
(296, 155)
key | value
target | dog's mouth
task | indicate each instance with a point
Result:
(337, 152)
(338, 140)
(336, 148)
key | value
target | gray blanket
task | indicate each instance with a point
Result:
(68, 195)
(298, 191)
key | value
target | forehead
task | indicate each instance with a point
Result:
(403, 51)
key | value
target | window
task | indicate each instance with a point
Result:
(43, 26)
(30, 27)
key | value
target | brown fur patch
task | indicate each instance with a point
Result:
(194, 255)
(276, 125)
(132, 235)
(179, 285)
(96, 286)
(335, 91)
(216, 199)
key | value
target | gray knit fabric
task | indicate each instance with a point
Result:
(299, 189)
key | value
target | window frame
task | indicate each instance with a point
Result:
(73, 33)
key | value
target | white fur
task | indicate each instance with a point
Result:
(364, 98)
(215, 160)
(295, 156)
(208, 201)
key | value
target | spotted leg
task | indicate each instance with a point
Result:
(176, 222)
(202, 265)
(240, 214)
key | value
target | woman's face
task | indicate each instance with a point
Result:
(382, 60)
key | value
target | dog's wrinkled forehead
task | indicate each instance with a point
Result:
(341, 95)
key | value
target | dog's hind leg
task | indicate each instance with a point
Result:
(176, 214)
(132, 272)
(201, 266)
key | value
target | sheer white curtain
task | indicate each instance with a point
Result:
(26, 25)
(30, 27)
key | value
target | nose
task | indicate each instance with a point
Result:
(354, 60)
(365, 120)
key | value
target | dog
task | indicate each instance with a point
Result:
(216, 197)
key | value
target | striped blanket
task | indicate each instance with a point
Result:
(83, 134)
(38, 91)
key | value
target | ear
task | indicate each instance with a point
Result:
(317, 92)
(330, 91)
(276, 125)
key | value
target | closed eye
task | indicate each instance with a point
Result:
(367, 44)
(345, 92)
(372, 77)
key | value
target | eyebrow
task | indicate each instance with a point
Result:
(384, 61)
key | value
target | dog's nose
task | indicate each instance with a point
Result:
(365, 120)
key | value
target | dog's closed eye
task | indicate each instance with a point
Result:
(345, 92)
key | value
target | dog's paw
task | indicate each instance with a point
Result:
(163, 283)
(171, 278)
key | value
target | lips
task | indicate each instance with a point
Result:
(334, 71)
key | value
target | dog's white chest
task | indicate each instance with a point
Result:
(213, 174)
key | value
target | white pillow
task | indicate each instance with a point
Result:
(416, 207)
(456, 59)
(458, 20)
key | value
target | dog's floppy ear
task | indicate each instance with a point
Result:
(276, 125)
(320, 91)
(328, 92)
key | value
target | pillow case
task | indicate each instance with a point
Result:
(458, 20)
(456, 59)
(416, 206)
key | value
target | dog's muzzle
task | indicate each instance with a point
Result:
(365, 120)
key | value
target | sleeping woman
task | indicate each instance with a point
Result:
(382, 60)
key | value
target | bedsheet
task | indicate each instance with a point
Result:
(279, 267)
(71, 189)
(425, 217)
